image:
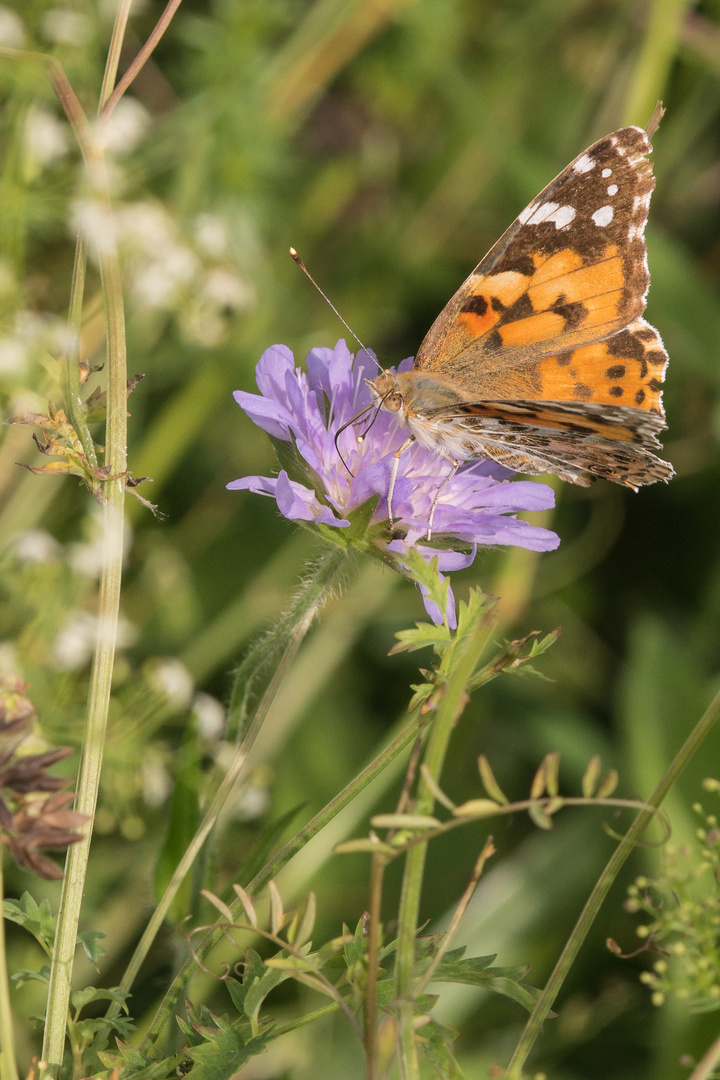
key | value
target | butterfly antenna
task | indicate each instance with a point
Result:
(327, 300)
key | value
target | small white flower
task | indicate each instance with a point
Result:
(13, 356)
(146, 226)
(227, 290)
(36, 546)
(210, 716)
(9, 661)
(211, 234)
(96, 224)
(252, 802)
(171, 678)
(156, 782)
(12, 29)
(78, 636)
(202, 325)
(159, 284)
(46, 137)
(125, 127)
(87, 557)
(66, 27)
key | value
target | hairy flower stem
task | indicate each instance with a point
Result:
(594, 902)
(8, 1064)
(290, 632)
(448, 709)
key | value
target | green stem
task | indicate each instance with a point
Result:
(404, 738)
(72, 359)
(291, 630)
(377, 873)
(109, 102)
(449, 707)
(8, 1064)
(581, 929)
(114, 49)
(108, 610)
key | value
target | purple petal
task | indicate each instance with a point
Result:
(259, 485)
(266, 413)
(434, 611)
(298, 502)
(330, 370)
(270, 372)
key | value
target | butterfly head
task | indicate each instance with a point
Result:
(386, 392)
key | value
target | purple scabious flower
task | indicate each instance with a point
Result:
(477, 506)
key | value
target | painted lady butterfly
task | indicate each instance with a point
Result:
(541, 361)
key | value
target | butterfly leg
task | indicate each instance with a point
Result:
(394, 473)
(438, 493)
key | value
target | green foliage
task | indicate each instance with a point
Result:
(681, 921)
(39, 921)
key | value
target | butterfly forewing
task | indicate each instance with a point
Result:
(570, 271)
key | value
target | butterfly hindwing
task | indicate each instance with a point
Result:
(577, 442)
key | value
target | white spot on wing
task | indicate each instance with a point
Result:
(603, 216)
(541, 213)
(562, 216)
(605, 173)
(584, 163)
(613, 189)
(527, 213)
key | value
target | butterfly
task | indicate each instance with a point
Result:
(541, 361)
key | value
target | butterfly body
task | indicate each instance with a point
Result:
(541, 361)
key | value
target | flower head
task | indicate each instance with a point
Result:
(476, 506)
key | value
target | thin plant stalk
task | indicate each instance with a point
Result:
(582, 927)
(114, 50)
(448, 709)
(108, 602)
(72, 358)
(377, 873)
(112, 538)
(109, 103)
(8, 1063)
(103, 660)
(407, 735)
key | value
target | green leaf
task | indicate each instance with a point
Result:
(94, 951)
(420, 637)
(475, 971)
(130, 1062)
(226, 1048)
(83, 997)
(257, 982)
(38, 920)
(23, 975)
(436, 1042)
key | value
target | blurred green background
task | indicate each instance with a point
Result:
(391, 142)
